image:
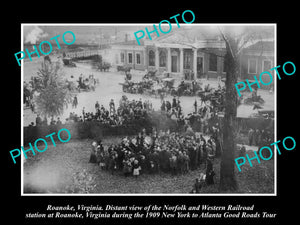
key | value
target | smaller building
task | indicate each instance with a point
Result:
(128, 53)
(256, 59)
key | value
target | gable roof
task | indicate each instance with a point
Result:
(129, 42)
(261, 45)
(187, 35)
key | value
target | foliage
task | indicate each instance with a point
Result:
(83, 182)
(53, 93)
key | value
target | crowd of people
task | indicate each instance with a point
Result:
(257, 136)
(204, 118)
(169, 152)
(128, 111)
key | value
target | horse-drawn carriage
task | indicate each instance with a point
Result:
(131, 87)
(141, 87)
(103, 66)
(146, 86)
(124, 68)
(216, 97)
(187, 88)
(150, 75)
(165, 87)
(128, 76)
(68, 62)
(254, 99)
(86, 84)
(266, 113)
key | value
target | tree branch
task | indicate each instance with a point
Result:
(227, 43)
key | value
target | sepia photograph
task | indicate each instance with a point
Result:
(142, 109)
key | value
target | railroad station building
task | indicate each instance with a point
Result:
(176, 54)
(180, 54)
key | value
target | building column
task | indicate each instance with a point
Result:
(156, 59)
(195, 63)
(181, 60)
(169, 60)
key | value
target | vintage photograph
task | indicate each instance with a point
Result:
(105, 114)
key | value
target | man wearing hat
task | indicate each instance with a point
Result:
(209, 172)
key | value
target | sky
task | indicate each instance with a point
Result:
(94, 33)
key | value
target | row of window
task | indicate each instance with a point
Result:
(252, 65)
(187, 61)
(130, 58)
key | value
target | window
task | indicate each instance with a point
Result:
(212, 62)
(122, 57)
(162, 59)
(266, 65)
(151, 58)
(130, 58)
(252, 66)
(224, 65)
(138, 58)
(187, 60)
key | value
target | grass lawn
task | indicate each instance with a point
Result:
(65, 169)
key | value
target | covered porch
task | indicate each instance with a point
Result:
(186, 61)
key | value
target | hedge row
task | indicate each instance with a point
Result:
(81, 130)
(97, 130)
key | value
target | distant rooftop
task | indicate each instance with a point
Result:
(261, 45)
(129, 42)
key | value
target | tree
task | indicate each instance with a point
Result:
(235, 38)
(227, 176)
(53, 93)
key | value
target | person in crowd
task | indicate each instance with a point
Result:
(209, 172)
(58, 122)
(136, 168)
(75, 102)
(251, 136)
(93, 157)
(112, 107)
(38, 120)
(257, 137)
(127, 165)
(52, 121)
(195, 106)
(174, 103)
(196, 187)
(113, 162)
(83, 113)
(45, 121)
(97, 106)
(168, 106)
(163, 106)
(173, 163)
(242, 151)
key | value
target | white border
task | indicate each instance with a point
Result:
(163, 194)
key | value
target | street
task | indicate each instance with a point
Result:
(109, 88)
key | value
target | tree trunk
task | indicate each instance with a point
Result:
(228, 181)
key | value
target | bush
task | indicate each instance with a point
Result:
(96, 130)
